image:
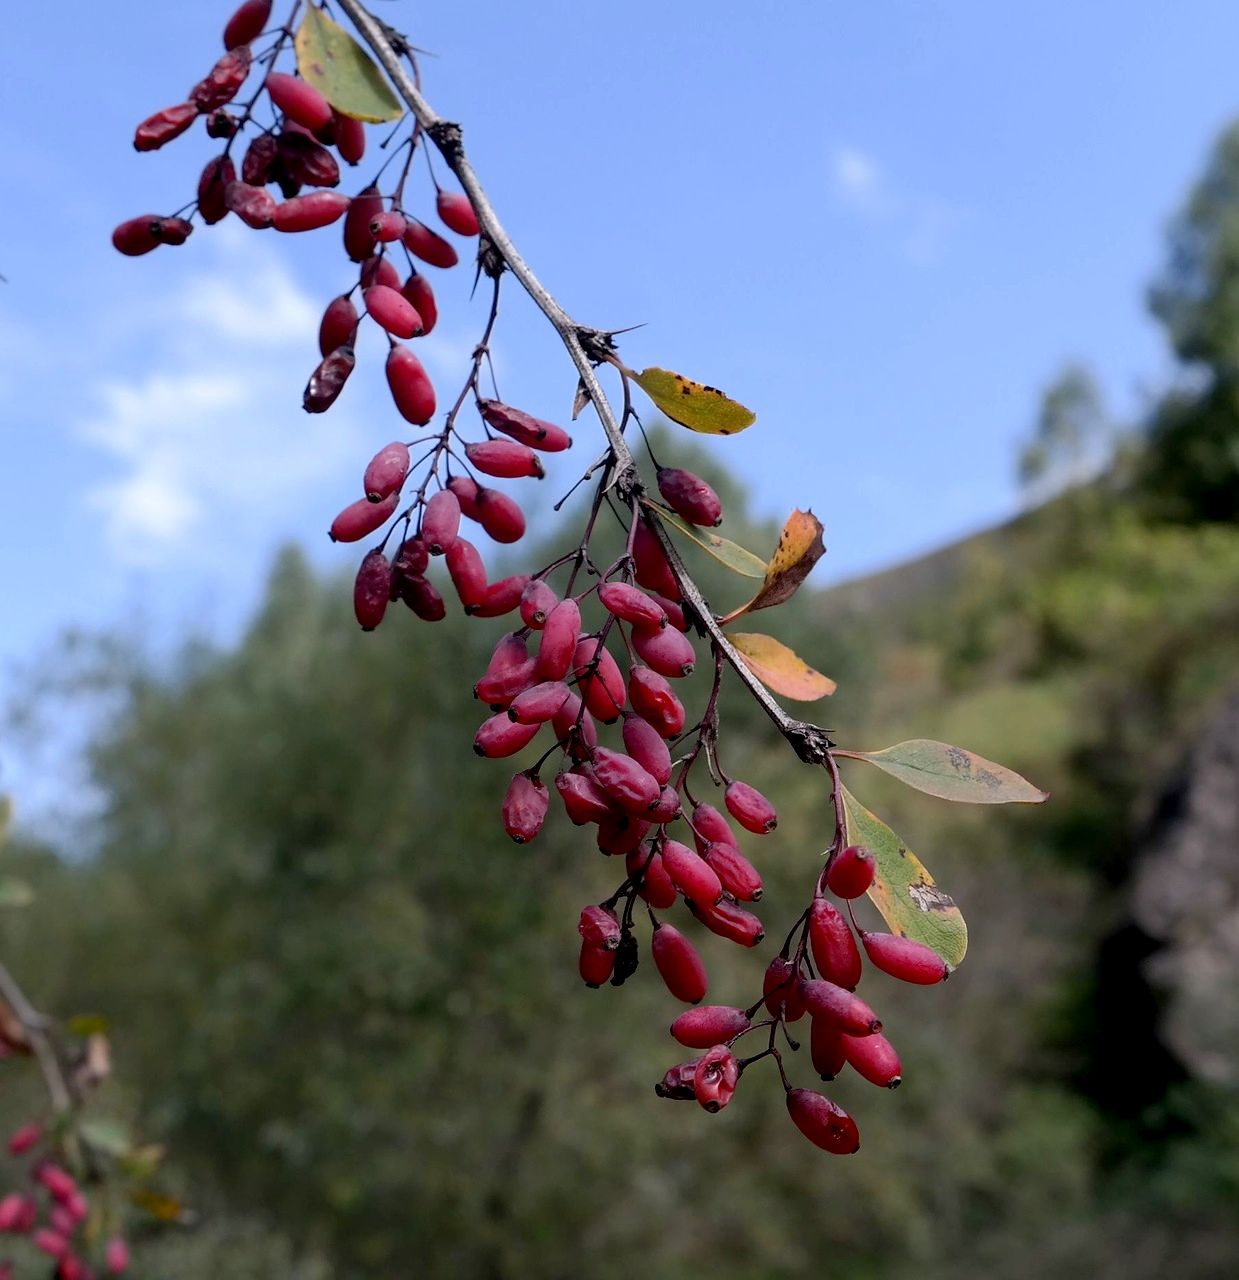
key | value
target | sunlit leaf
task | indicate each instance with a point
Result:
(692, 404)
(106, 1134)
(14, 892)
(903, 890)
(778, 667)
(142, 1162)
(800, 548)
(87, 1024)
(951, 773)
(342, 71)
(726, 552)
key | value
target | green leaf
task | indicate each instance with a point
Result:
(87, 1024)
(726, 552)
(342, 71)
(781, 668)
(14, 892)
(951, 773)
(692, 404)
(903, 890)
(107, 1134)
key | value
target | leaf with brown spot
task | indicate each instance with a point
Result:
(951, 773)
(693, 404)
(903, 890)
(781, 669)
(728, 553)
(800, 548)
(342, 71)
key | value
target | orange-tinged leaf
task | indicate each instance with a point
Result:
(781, 669)
(951, 773)
(693, 404)
(800, 548)
(165, 1208)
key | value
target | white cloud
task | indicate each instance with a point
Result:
(858, 178)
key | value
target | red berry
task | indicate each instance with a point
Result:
(715, 1079)
(539, 703)
(421, 296)
(599, 680)
(392, 311)
(645, 869)
(691, 874)
(221, 84)
(350, 138)
(423, 598)
(136, 236)
(466, 569)
(361, 518)
(834, 948)
(59, 1182)
(655, 701)
(222, 124)
(499, 597)
(689, 496)
(117, 1254)
(851, 873)
(823, 1122)
(466, 491)
(677, 1084)
(584, 800)
(600, 927)
(631, 604)
(358, 242)
(667, 651)
(298, 100)
(668, 807)
(410, 388)
(457, 213)
(557, 644)
(826, 1047)
(508, 662)
(62, 1221)
(24, 1139)
(524, 807)
(596, 964)
(708, 1025)
(215, 178)
(500, 516)
(621, 833)
(780, 988)
(710, 827)
(327, 381)
(500, 737)
(651, 567)
(309, 212)
(536, 603)
(246, 23)
(372, 590)
(338, 325)
(427, 245)
(163, 126)
(13, 1212)
(304, 160)
(838, 1005)
(628, 785)
(874, 1058)
(730, 921)
(504, 458)
(678, 964)
(172, 230)
(736, 873)
(412, 558)
(646, 746)
(575, 728)
(258, 164)
(904, 958)
(674, 611)
(750, 808)
(388, 227)
(440, 522)
(255, 206)
(521, 426)
(51, 1243)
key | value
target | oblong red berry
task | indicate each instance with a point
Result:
(539, 703)
(172, 230)
(583, 799)
(500, 516)
(467, 571)
(59, 1182)
(522, 426)
(689, 496)
(372, 590)
(715, 1078)
(629, 786)
(422, 596)
(710, 827)
(386, 471)
(50, 1242)
(350, 138)
(905, 958)
(499, 737)
(388, 227)
(596, 964)
(456, 213)
(505, 459)
(823, 1122)
(826, 1047)
(259, 161)
(418, 291)
(691, 874)
(599, 680)
(835, 952)
(379, 270)
(391, 310)
(730, 921)
(411, 389)
(620, 833)
(367, 205)
(646, 871)
(466, 491)
(136, 236)
(216, 176)
(412, 558)
(525, 806)
(327, 381)
(309, 212)
(558, 641)
(708, 1025)
(361, 518)
(575, 728)
(247, 23)
(679, 965)
(650, 565)
(600, 927)
(838, 1005)
(646, 746)
(631, 604)
(163, 126)
(25, 1138)
(338, 325)
(736, 873)
(221, 124)
(221, 84)
(667, 651)
(668, 807)
(304, 160)
(428, 245)
(500, 597)
(507, 671)
(780, 987)
(677, 1084)
(655, 701)
(255, 206)
(299, 100)
(851, 874)
(750, 808)
(875, 1059)
(537, 601)
(116, 1256)
(674, 611)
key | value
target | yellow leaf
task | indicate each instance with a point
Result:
(342, 71)
(165, 1208)
(951, 773)
(800, 548)
(777, 666)
(726, 552)
(692, 404)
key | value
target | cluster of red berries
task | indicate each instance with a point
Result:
(51, 1215)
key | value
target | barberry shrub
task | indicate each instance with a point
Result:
(581, 691)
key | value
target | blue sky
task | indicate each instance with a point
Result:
(884, 227)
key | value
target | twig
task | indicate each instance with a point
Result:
(36, 1026)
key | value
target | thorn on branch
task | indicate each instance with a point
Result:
(598, 344)
(490, 260)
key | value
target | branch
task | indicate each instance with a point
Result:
(586, 347)
(36, 1025)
